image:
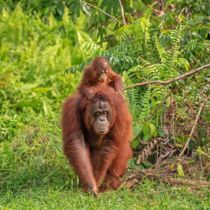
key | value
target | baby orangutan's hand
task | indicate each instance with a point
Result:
(90, 94)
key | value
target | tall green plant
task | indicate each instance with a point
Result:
(34, 54)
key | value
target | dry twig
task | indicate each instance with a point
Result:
(122, 12)
(138, 175)
(188, 182)
(147, 151)
(102, 11)
(194, 126)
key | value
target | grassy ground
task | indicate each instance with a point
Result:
(147, 195)
(35, 175)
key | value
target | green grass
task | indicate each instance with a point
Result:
(147, 195)
(34, 174)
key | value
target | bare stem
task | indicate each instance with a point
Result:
(166, 82)
(102, 11)
(122, 12)
(194, 126)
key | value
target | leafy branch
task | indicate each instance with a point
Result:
(102, 11)
(166, 82)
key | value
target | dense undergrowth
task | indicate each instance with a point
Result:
(42, 53)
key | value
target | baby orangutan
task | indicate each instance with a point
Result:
(99, 73)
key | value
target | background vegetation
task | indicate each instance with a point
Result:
(43, 47)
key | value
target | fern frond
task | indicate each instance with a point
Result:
(161, 50)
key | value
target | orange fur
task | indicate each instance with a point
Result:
(97, 166)
(91, 77)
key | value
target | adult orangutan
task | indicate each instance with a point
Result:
(99, 73)
(96, 138)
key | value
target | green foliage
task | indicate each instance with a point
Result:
(154, 60)
(34, 54)
(43, 47)
(34, 157)
(159, 53)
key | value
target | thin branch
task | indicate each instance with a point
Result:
(102, 11)
(122, 12)
(194, 126)
(187, 182)
(166, 82)
(152, 174)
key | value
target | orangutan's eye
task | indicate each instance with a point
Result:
(105, 112)
(97, 114)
